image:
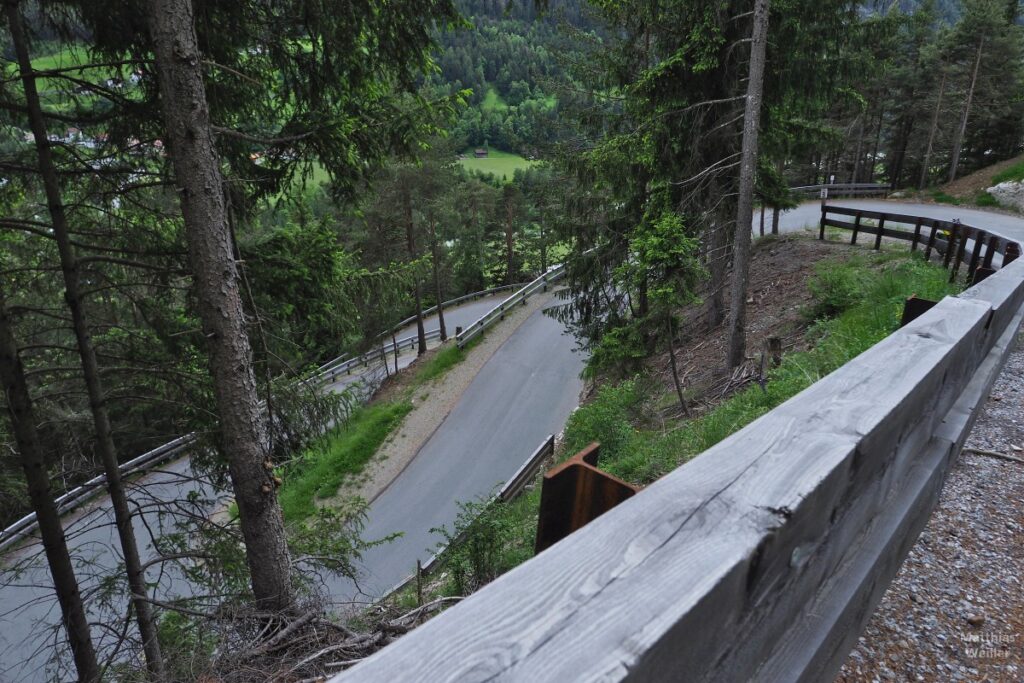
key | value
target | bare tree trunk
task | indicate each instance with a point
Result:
(931, 136)
(509, 238)
(438, 292)
(775, 220)
(200, 188)
(745, 202)
(878, 143)
(410, 238)
(905, 129)
(394, 347)
(717, 264)
(30, 454)
(675, 368)
(762, 220)
(87, 352)
(958, 141)
(858, 155)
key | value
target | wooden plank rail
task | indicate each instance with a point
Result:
(950, 239)
(761, 559)
(843, 190)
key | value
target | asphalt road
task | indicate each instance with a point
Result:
(808, 215)
(28, 610)
(524, 393)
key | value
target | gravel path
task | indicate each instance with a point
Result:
(956, 609)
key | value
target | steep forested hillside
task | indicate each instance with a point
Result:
(512, 59)
(949, 10)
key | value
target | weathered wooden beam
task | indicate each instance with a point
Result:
(980, 238)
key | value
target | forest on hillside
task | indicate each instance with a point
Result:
(201, 203)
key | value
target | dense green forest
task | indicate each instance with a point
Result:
(203, 202)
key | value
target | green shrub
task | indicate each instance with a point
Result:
(488, 539)
(985, 199)
(944, 198)
(446, 358)
(835, 288)
(607, 419)
(344, 451)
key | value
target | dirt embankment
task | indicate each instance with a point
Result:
(780, 269)
(970, 186)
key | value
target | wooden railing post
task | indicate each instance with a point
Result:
(931, 242)
(878, 236)
(856, 228)
(960, 252)
(954, 234)
(979, 244)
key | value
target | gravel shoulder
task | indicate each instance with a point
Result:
(431, 404)
(955, 611)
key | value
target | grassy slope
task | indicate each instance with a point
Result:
(344, 452)
(501, 164)
(858, 303)
(493, 101)
(346, 449)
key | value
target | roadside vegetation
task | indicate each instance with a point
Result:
(1015, 173)
(343, 452)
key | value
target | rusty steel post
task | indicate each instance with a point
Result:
(574, 494)
(1012, 253)
(914, 308)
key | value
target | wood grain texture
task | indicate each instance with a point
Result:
(759, 560)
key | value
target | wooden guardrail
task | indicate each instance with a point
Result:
(761, 559)
(956, 242)
(843, 190)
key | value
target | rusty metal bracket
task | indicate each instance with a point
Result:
(914, 308)
(574, 494)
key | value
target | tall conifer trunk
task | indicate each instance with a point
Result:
(86, 350)
(243, 428)
(438, 292)
(410, 236)
(509, 238)
(30, 455)
(923, 182)
(958, 141)
(745, 201)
